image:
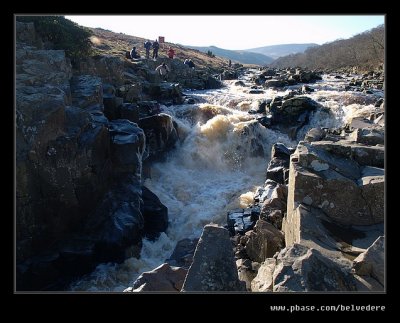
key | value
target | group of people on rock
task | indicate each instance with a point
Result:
(148, 45)
(162, 69)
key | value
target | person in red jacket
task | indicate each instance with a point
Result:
(171, 53)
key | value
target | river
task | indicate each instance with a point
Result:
(218, 164)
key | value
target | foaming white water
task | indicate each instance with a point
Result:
(217, 167)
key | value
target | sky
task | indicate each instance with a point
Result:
(235, 32)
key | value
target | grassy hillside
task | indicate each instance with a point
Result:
(366, 51)
(276, 51)
(239, 56)
(107, 42)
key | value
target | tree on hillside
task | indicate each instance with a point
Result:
(61, 33)
(365, 50)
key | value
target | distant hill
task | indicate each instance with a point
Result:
(240, 56)
(366, 51)
(276, 51)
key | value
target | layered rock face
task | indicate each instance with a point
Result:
(79, 156)
(327, 197)
(335, 210)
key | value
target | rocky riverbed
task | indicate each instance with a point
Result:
(119, 173)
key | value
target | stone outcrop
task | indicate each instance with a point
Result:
(263, 241)
(299, 268)
(155, 214)
(79, 163)
(264, 280)
(213, 267)
(161, 134)
(371, 262)
(339, 179)
(164, 278)
(278, 167)
(290, 113)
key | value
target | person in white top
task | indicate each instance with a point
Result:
(163, 70)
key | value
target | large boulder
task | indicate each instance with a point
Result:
(86, 91)
(161, 134)
(155, 214)
(116, 225)
(128, 143)
(164, 278)
(213, 267)
(78, 191)
(278, 167)
(109, 68)
(328, 182)
(263, 241)
(292, 114)
(299, 268)
(372, 261)
(264, 280)
(42, 67)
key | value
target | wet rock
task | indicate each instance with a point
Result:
(182, 256)
(161, 134)
(164, 278)
(256, 91)
(213, 267)
(229, 75)
(278, 167)
(274, 83)
(239, 83)
(242, 220)
(306, 89)
(265, 121)
(279, 150)
(129, 111)
(212, 83)
(112, 106)
(292, 114)
(314, 134)
(131, 93)
(164, 92)
(86, 91)
(127, 146)
(155, 214)
(117, 223)
(275, 202)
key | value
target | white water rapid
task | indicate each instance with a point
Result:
(218, 165)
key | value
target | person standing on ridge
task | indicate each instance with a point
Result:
(147, 46)
(156, 46)
(171, 53)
